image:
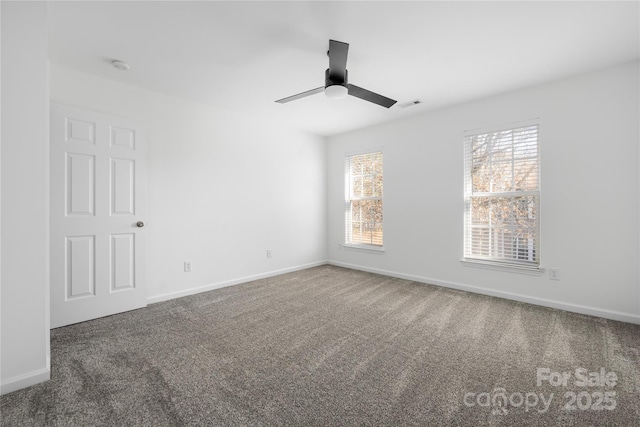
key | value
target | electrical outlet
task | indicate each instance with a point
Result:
(339, 246)
(269, 253)
(187, 266)
(554, 274)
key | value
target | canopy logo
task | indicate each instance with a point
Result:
(501, 402)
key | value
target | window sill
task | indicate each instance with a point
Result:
(511, 268)
(363, 248)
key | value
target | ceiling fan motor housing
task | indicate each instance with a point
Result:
(335, 87)
(336, 80)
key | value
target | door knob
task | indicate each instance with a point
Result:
(140, 224)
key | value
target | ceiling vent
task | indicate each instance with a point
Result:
(120, 65)
(410, 103)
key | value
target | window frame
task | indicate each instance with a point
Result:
(348, 200)
(496, 262)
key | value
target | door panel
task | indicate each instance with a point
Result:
(80, 272)
(122, 186)
(80, 184)
(123, 138)
(98, 167)
(80, 130)
(122, 261)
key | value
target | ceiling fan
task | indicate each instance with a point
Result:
(336, 82)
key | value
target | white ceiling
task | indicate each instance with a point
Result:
(245, 55)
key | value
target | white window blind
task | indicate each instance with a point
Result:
(363, 199)
(502, 196)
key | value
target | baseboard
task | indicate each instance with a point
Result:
(574, 308)
(25, 380)
(192, 291)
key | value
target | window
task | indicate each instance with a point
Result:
(502, 196)
(363, 204)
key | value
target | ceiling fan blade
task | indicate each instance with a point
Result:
(301, 95)
(338, 60)
(367, 95)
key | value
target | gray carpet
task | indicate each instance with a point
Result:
(334, 347)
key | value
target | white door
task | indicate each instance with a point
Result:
(97, 205)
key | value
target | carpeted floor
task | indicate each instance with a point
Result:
(335, 347)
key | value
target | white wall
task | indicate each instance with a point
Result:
(589, 205)
(24, 331)
(223, 188)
